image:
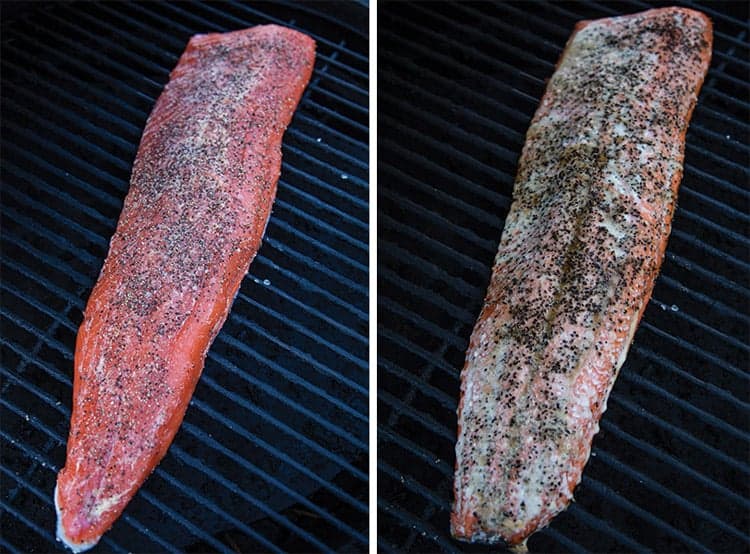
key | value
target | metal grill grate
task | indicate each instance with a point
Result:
(459, 84)
(272, 455)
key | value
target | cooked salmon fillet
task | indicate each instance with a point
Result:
(201, 191)
(592, 208)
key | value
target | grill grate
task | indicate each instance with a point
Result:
(459, 84)
(272, 455)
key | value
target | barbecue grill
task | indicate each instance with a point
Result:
(669, 472)
(272, 455)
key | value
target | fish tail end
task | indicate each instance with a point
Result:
(62, 536)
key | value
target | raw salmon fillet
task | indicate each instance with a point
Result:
(582, 246)
(201, 191)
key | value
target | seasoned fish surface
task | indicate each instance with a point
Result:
(201, 191)
(583, 243)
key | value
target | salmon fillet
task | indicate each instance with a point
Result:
(201, 191)
(592, 208)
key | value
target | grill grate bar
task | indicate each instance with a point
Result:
(468, 319)
(358, 336)
(619, 466)
(498, 150)
(98, 239)
(385, 432)
(91, 192)
(273, 222)
(74, 138)
(415, 523)
(729, 211)
(442, 398)
(322, 368)
(157, 87)
(106, 540)
(660, 489)
(106, 135)
(186, 458)
(500, 176)
(313, 85)
(237, 344)
(315, 265)
(680, 434)
(477, 55)
(357, 202)
(496, 200)
(87, 167)
(27, 177)
(182, 456)
(682, 314)
(195, 462)
(668, 364)
(324, 15)
(282, 456)
(711, 358)
(313, 287)
(325, 226)
(598, 524)
(8, 547)
(439, 246)
(646, 516)
(204, 24)
(128, 127)
(431, 242)
(687, 406)
(421, 418)
(249, 9)
(328, 167)
(335, 429)
(630, 407)
(8, 509)
(426, 356)
(562, 33)
(628, 376)
(49, 370)
(38, 206)
(39, 458)
(449, 62)
(716, 305)
(304, 331)
(708, 274)
(92, 262)
(674, 462)
(338, 460)
(702, 221)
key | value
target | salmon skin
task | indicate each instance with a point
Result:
(201, 191)
(592, 208)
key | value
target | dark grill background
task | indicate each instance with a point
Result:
(458, 87)
(273, 452)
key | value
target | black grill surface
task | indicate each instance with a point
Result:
(669, 472)
(272, 455)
